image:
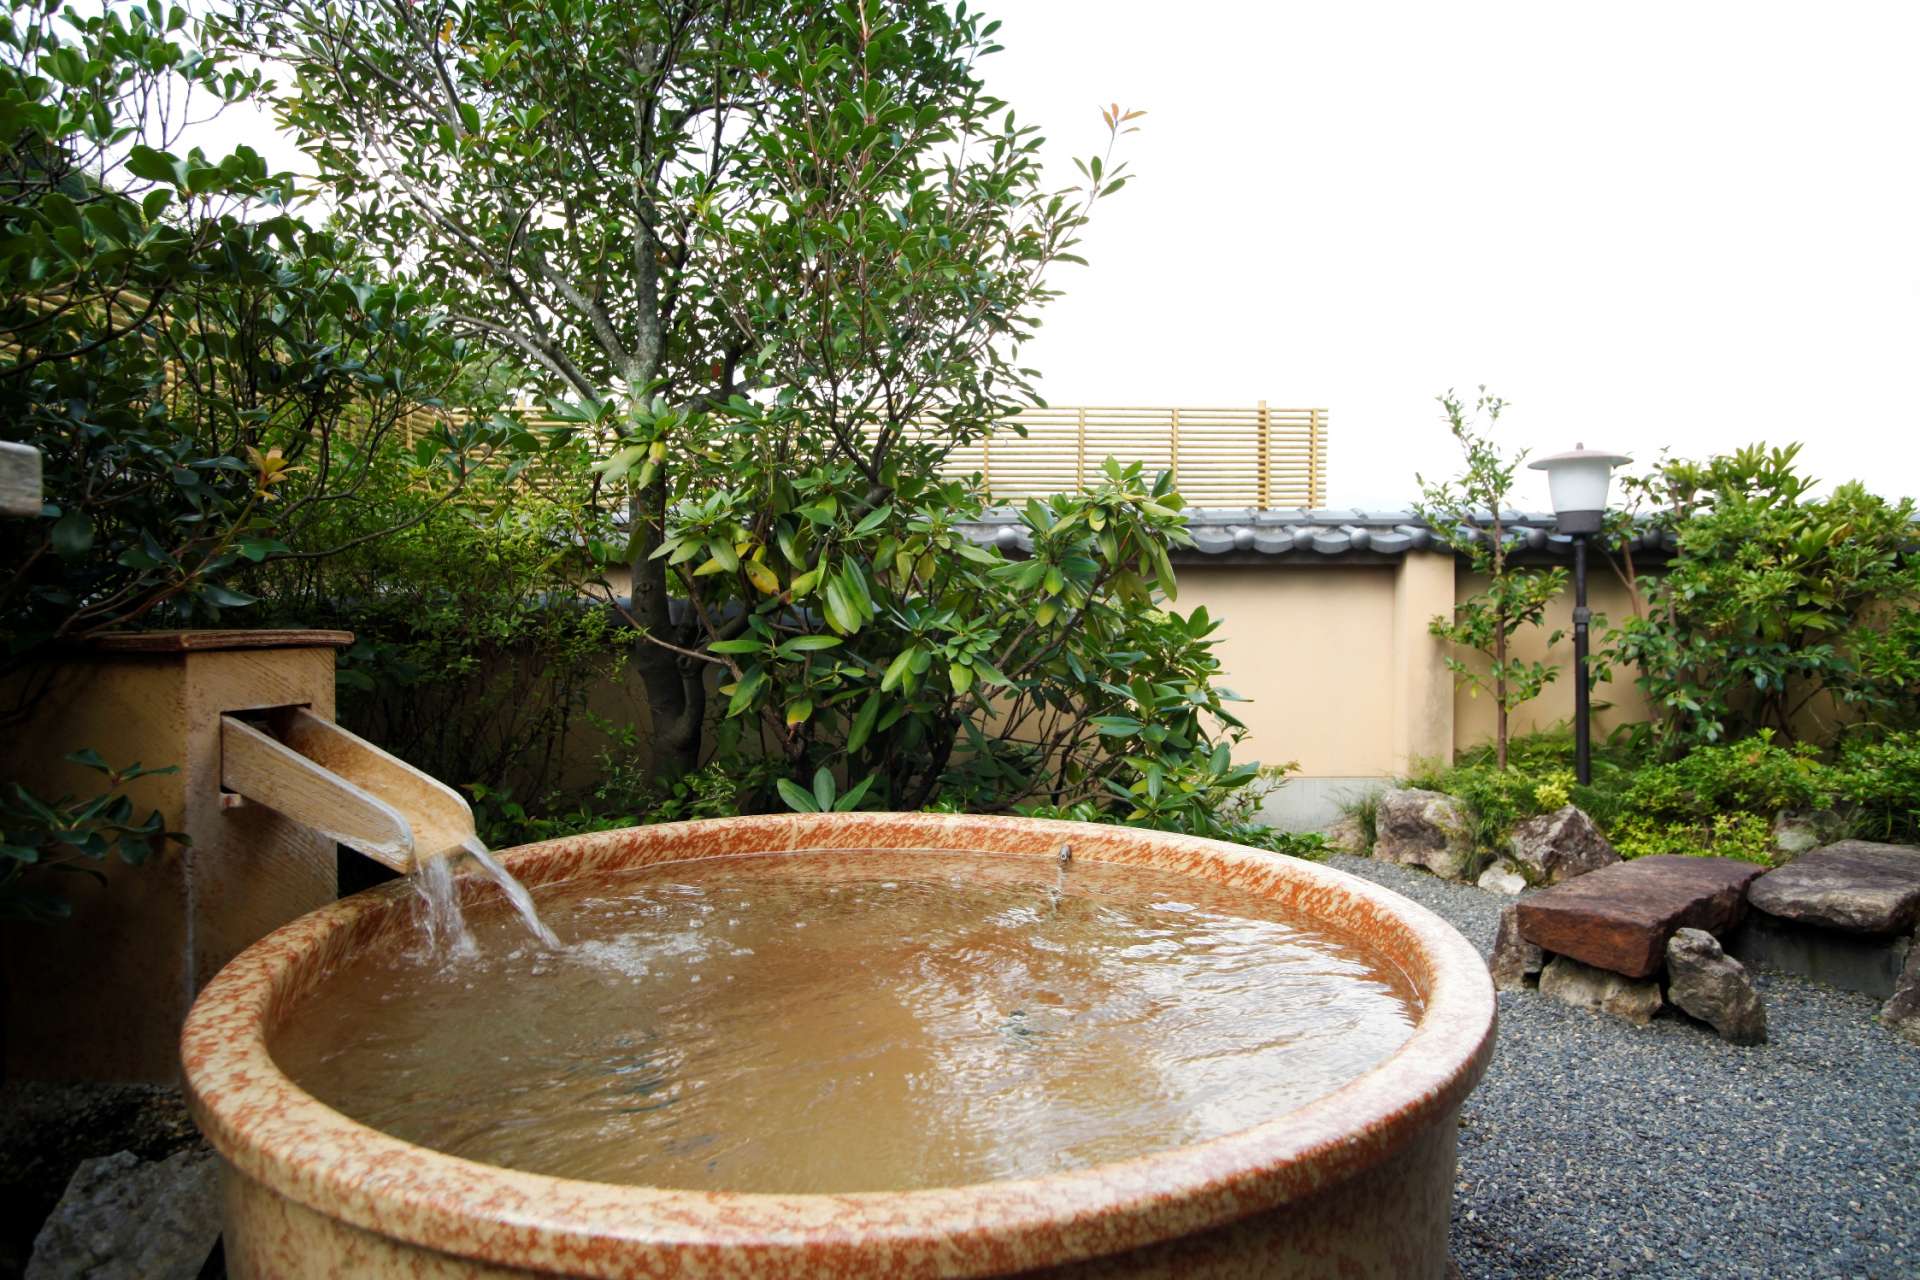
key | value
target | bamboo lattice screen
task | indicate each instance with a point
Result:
(1252, 456)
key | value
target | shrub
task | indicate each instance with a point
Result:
(67, 834)
(474, 652)
(204, 375)
(1882, 781)
(1755, 776)
(1778, 610)
(624, 796)
(1746, 836)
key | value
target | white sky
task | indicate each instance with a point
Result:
(1687, 225)
(1684, 225)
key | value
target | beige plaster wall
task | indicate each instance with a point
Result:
(1614, 703)
(1315, 650)
(1343, 675)
(1345, 678)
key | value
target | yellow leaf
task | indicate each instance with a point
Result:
(762, 577)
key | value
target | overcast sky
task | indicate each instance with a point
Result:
(1686, 225)
(1646, 225)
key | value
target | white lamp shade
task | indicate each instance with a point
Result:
(1578, 481)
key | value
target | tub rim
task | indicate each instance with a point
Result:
(273, 1132)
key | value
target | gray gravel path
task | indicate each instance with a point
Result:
(1597, 1148)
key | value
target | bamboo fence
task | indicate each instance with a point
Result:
(1247, 456)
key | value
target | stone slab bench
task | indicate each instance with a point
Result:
(1621, 917)
(1856, 886)
(1840, 914)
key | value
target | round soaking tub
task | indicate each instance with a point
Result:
(1356, 1183)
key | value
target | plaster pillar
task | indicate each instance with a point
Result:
(102, 994)
(1423, 589)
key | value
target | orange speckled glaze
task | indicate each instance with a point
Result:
(1354, 1184)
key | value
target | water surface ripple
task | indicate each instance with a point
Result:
(826, 1023)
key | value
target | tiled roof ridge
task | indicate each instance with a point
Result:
(1331, 532)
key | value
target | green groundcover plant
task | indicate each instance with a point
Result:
(1719, 801)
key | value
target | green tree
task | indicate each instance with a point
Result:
(796, 232)
(774, 261)
(1778, 610)
(1466, 512)
(206, 377)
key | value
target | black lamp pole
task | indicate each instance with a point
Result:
(1582, 761)
(1578, 481)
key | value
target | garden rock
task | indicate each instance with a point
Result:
(1704, 981)
(1620, 917)
(1798, 831)
(1514, 958)
(1855, 885)
(1502, 877)
(1345, 836)
(1423, 829)
(127, 1217)
(1585, 987)
(1901, 1013)
(1559, 846)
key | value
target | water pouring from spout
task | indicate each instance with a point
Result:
(441, 917)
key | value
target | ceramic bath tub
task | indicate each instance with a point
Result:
(1357, 1183)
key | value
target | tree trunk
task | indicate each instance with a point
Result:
(1500, 691)
(942, 752)
(675, 686)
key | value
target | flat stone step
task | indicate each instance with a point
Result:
(1854, 885)
(1620, 917)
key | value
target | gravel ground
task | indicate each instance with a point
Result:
(1597, 1148)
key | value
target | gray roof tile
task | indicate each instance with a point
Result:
(1329, 531)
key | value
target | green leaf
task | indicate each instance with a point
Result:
(797, 799)
(823, 788)
(153, 166)
(808, 644)
(873, 520)
(72, 535)
(863, 723)
(841, 615)
(988, 672)
(224, 597)
(850, 801)
(897, 670)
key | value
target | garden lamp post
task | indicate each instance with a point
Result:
(1578, 482)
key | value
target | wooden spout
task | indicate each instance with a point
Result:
(344, 787)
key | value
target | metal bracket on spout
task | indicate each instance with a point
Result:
(344, 787)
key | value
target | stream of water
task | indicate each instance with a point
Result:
(442, 922)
